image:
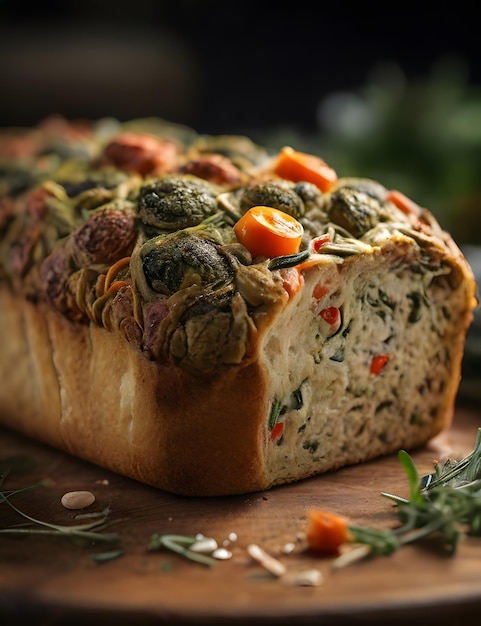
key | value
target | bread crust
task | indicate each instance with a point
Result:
(226, 379)
(83, 390)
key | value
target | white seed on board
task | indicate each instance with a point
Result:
(232, 537)
(222, 554)
(204, 545)
(288, 547)
(77, 499)
(267, 561)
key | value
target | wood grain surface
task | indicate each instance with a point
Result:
(53, 580)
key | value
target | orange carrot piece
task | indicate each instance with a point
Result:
(326, 532)
(311, 261)
(115, 286)
(268, 232)
(319, 291)
(300, 166)
(405, 204)
(113, 269)
(292, 280)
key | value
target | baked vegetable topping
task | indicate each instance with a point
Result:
(268, 232)
(199, 246)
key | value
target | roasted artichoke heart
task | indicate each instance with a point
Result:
(353, 210)
(176, 202)
(174, 263)
(195, 318)
(274, 194)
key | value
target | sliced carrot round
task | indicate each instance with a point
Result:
(297, 166)
(268, 232)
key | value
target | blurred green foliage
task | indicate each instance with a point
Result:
(422, 137)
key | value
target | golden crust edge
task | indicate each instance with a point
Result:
(101, 400)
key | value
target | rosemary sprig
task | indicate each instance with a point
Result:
(445, 503)
(180, 544)
(288, 260)
(89, 531)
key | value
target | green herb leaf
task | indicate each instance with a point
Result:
(412, 474)
(274, 414)
(180, 545)
(89, 531)
(288, 260)
(103, 557)
(446, 503)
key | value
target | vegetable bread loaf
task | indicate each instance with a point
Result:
(209, 318)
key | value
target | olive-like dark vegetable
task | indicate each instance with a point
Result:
(309, 193)
(277, 195)
(370, 187)
(353, 210)
(176, 202)
(74, 188)
(178, 262)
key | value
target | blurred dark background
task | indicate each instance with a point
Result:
(216, 65)
(395, 95)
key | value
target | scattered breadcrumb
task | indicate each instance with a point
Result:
(268, 562)
(306, 578)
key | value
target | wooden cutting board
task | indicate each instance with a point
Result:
(52, 580)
